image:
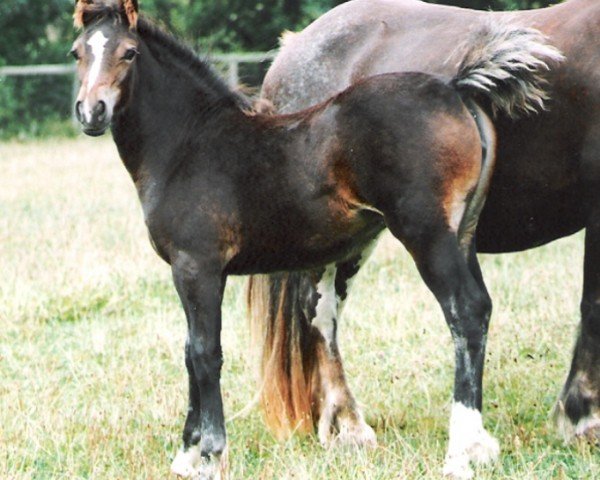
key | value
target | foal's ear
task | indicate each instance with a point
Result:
(131, 9)
(80, 10)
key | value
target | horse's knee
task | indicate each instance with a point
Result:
(479, 305)
(189, 362)
(206, 359)
(469, 315)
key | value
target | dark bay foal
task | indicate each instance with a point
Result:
(226, 191)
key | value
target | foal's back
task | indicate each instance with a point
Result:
(323, 177)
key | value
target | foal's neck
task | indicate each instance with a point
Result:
(176, 100)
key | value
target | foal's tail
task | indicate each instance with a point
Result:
(281, 336)
(506, 65)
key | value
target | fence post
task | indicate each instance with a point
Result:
(231, 60)
(233, 73)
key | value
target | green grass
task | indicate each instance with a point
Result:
(92, 379)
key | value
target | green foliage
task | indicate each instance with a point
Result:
(497, 4)
(35, 106)
(35, 32)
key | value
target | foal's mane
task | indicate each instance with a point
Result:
(199, 68)
(203, 73)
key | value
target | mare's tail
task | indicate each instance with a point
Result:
(506, 65)
(280, 335)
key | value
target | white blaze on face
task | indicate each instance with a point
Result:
(97, 42)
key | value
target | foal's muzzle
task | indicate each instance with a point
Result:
(95, 121)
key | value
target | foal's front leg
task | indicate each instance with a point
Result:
(200, 287)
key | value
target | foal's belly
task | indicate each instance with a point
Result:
(297, 251)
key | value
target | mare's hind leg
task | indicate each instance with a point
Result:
(457, 285)
(340, 418)
(578, 408)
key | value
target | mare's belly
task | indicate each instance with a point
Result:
(514, 219)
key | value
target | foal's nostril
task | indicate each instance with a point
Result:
(100, 111)
(78, 111)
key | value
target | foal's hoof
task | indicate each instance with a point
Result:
(210, 469)
(484, 450)
(469, 443)
(190, 464)
(186, 463)
(363, 437)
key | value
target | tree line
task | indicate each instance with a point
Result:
(34, 32)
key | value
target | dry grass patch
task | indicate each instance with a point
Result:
(93, 384)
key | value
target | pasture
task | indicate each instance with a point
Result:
(92, 377)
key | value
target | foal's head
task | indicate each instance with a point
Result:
(105, 52)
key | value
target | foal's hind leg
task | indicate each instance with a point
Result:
(578, 408)
(340, 420)
(458, 287)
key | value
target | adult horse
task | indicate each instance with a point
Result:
(546, 185)
(226, 191)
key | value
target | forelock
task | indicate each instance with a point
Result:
(88, 11)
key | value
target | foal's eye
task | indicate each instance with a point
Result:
(74, 54)
(130, 54)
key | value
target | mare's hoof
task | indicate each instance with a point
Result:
(345, 427)
(586, 429)
(356, 434)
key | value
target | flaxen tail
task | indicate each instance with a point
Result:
(281, 337)
(507, 65)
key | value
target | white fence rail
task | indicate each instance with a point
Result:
(231, 61)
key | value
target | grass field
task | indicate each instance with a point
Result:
(92, 378)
